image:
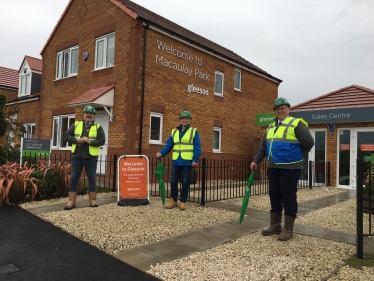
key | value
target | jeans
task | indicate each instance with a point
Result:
(77, 165)
(176, 171)
(283, 189)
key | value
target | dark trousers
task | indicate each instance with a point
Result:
(77, 165)
(176, 172)
(283, 189)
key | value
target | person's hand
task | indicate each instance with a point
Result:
(158, 154)
(86, 140)
(194, 164)
(253, 166)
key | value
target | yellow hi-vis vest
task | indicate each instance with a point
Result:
(94, 150)
(184, 147)
(281, 143)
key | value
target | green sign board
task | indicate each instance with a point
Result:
(36, 147)
(264, 119)
(367, 158)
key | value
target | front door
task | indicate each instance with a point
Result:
(318, 155)
(353, 144)
(102, 118)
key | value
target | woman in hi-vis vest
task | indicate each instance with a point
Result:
(85, 137)
(185, 142)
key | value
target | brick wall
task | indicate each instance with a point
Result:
(165, 88)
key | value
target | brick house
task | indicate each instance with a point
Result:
(140, 70)
(27, 98)
(342, 125)
(8, 82)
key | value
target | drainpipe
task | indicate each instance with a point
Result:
(143, 86)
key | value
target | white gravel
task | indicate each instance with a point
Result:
(252, 257)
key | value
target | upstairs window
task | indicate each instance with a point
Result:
(67, 63)
(30, 130)
(60, 125)
(104, 54)
(155, 135)
(217, 139)
(237, 79)
(218, 84)
(25, 82)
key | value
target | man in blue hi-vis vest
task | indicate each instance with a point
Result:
(185, 142)
(284, 145)
(85, 138)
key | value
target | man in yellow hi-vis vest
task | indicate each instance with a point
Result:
(85, 138)
(286, 141)
(185, 142)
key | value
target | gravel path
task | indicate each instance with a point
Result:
(253, 257)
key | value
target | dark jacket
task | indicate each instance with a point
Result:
(81, 151)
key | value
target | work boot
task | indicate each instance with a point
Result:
(275, 225)
(287, 232)
(171, 204)
(92, 199)
(71, 203)
(182, 206)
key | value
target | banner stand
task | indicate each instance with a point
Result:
(133, 180)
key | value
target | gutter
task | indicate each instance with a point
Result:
(143, 86)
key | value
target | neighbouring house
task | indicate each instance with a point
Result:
(27, 98)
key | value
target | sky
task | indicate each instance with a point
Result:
(314, 47)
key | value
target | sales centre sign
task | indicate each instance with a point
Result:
(341, 115)
(133, 176)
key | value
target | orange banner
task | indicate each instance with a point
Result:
(133, 177)
(344, 146)
(367, 147)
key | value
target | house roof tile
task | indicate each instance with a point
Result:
(34, 63)
(348, 97)
(9, 77)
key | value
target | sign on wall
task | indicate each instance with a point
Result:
(264, 119)
(341, 115)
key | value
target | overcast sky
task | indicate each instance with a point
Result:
(315, 47)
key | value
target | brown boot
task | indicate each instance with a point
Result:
(275, 225)
(92, 198)
(287, 232)
(71, 203)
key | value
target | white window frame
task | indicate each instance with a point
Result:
(30, 130)
(61, 64)
(240, 80)
(161, 117)
(58, 133)
(104, 39)
(217, 91)
(25, 85)
(219, 130)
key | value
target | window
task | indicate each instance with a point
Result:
(24, 89)
(237, 79)
(67, 63)
(104, 56)
(155, 135)
(218, 84)
(30, 130)
(60, 126)
(217, 139)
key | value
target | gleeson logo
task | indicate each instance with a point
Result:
(192, 89)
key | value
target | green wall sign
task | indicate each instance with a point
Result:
(264, 119)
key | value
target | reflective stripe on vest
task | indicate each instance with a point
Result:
(92, 134)
(183, 147)
(281, 143)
